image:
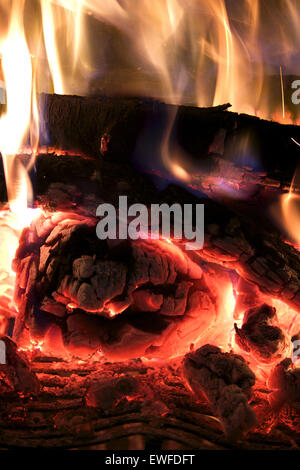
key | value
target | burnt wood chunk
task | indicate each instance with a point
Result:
(284, 384)
(126, 299)
(118, 128)
(225, 380)
(260, 336)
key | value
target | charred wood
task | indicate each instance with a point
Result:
(226, 381)
(16, 373)
(121, 129)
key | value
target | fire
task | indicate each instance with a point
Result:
(63, 24)
(19, 121)
(198, 50)
(21, 62)
(51, 46)
(204, 51)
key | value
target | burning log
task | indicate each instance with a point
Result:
(233, 240)
(259, 256)
(260, 335)
(128, 299)
(225, 380)
(106, 393)
(83, 285)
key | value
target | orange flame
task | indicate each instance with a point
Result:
(14, 125)
(287, 213)
(222, 50)
(67, 50)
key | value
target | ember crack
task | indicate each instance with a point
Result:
(266, 341)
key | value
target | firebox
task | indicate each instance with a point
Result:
(149, 225)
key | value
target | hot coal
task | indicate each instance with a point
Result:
(127, 299)
(240, 242)
(226, 381)
(284, 382)
(260, 335)
(16, 374)
(106, 393)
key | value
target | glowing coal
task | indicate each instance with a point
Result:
(125, 299)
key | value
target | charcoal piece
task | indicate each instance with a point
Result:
(242, 242)
(105, 394)
(15, 371)
(284, 385)
(55, 308)
(260, 336)
(86, 297)
(109, 281)
(146, 301)
(176, 304)
(225, 380)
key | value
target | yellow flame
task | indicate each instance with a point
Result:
(288, 215)
(14, 124)
(51, 45)
(197, 49)
(221, 52)
(67, 50)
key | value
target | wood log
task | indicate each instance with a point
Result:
(128, 299)
(119, 130)
(133, 129)
(240, 238)
(227, 381)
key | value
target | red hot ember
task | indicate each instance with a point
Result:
(79, 297)
(125, 299)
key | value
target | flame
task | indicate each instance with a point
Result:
(195, 50)
(22, 78)
(14, 125)
(19, 121)
(51, 46)
(287, 212)
(201, 52)
(225, 54)
(63, 23)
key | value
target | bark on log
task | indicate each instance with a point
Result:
(130, 299)
(133, 128)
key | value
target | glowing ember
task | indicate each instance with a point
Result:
(74, 296)
(152, 300)
(287, 212)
